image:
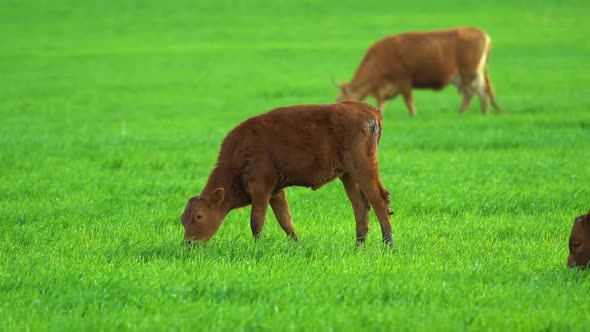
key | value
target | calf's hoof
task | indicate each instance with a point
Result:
(360, 240)
(388, 241)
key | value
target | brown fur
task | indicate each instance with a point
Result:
(579, 243)
(428, 60)
(307, 145)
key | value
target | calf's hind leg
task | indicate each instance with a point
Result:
(378, 197)
(280, 207)
(360, 206)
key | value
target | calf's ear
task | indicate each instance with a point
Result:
(585, 218)
(216, 197)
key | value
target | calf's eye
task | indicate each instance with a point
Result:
(199, 217)
(576, 244)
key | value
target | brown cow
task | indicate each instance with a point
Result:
(579, 245)
(430, 60)
(308, 145)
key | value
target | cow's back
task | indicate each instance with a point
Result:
(308, 145)
(426, 59)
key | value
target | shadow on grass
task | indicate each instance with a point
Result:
(147, 252)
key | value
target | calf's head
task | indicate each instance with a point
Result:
(579, 244)
(203, 216)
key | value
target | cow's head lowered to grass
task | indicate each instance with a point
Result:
(579, 244)
(345, 92)
(202, 216)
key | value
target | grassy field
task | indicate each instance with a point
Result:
(112, 115)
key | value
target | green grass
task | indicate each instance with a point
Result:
(112, 115)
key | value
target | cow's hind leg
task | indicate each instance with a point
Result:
(360, 206)
(378, 197)
(482, 94)
(280, 207)
(465, 83)
(467, 95)
(490, 92)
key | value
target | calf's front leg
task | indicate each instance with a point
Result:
(260, 202)
(280, 207)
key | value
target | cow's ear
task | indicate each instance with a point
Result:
(345, 89)
(216, 197)
(583, 219)
(336, 83)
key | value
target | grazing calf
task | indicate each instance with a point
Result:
(430, 60)
(579, 245)
(308, 145)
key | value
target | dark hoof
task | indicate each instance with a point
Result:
(360, 241)
(388, 242)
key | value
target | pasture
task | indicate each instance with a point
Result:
(112, 115)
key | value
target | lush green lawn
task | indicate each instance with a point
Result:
(112, 115)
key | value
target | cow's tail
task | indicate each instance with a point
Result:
(489, 87)
(374, 126)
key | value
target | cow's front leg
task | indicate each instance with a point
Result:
(381, 104)
(260, 202)
(384, 94)
(409, 100)
(279, 205)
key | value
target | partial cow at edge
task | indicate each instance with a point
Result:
(579, 244)
(424, 60)
(307, 145)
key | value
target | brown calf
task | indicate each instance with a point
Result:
(430, 60)
(307, 145)
(579, 244)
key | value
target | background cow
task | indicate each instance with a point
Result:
(431, 60)
(579, 244)
(309, 146)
